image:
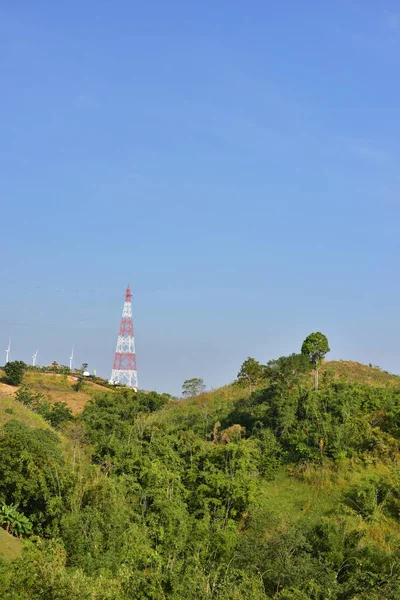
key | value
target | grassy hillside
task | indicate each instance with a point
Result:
(55, 388)
(354, 371)
(60, 388)
(5, 389)
(314, 495)
(11, 409)
(10, 546)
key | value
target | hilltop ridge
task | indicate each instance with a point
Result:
(355, 371)
(60, 388)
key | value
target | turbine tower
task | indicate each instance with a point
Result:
(8, 350)
(124, 367)
(71, 359)
(34, 356)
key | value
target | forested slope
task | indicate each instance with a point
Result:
(266, 491)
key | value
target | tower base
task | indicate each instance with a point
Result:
(125, 377)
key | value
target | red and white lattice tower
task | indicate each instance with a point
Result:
(124, 368)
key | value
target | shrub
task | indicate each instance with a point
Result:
(15, 522)
(15, 371)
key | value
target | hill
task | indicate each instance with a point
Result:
(242, 493)
(217, 401)
(60, 388)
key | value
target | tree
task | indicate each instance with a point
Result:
(193, 387)
(15, 371)
(315, 347)
(31, 400)
(251, 372)
(57, 414)
(33, 473)
(285, 373)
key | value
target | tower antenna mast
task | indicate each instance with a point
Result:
(124, 368)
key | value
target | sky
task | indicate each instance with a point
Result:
(237, 163)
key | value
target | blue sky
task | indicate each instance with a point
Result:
(236, 162)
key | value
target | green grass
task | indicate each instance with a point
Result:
(12, 409)
(354, 371)
(10, 546)
(319, 494)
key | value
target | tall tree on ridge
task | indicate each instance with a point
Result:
(315, 347)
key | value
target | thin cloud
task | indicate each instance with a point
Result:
(84, 100)
(392, 21)
(366, 150)
(126, 179)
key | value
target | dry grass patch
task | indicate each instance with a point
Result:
(10, 546)
(354, 371)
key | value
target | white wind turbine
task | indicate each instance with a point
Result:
(34, 355)
(8, 350)
(71, 359)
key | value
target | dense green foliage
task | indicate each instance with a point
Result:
(33, 474)
(279, 492)
(14, 371)
(56, 413)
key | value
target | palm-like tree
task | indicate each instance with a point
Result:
(15, 522)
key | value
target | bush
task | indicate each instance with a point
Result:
(32, 473)
(15, 371)
(14, 521)
(30, 400)
(56, 414)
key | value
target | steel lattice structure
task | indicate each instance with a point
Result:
(124, 368)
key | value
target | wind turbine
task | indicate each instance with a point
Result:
(34, 358)
(8, 350)
(71, 359)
